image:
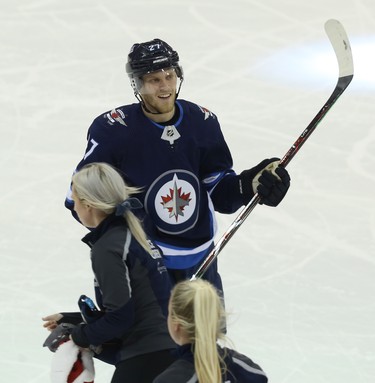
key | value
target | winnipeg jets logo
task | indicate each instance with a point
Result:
(176, 201)
(207, 113)
(172, 201)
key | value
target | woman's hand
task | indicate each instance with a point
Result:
(51, 321)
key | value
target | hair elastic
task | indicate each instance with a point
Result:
(128, 204)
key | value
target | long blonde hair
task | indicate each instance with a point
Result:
(101, 186)
(197, 307)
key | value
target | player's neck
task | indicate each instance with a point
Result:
(160, 117)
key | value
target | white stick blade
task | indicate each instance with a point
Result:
(341, 45)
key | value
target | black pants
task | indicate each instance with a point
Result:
(211, 275)
(143, 368)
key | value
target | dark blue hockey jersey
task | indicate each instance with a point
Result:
(184, 170)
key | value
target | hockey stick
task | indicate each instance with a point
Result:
(340, 43)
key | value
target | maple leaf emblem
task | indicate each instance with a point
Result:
(176, 201)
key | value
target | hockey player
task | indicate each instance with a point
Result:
(175, 151)
(195, 323)
(132, 286)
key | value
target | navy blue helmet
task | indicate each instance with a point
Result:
(151, 56)
(148, 57)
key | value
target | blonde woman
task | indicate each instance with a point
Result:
(195, 323)
(132, 286)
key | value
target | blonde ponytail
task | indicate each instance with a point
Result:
(197, 307)
(99, 185)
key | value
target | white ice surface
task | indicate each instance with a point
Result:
(299, 279)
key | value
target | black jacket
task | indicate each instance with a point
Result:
(239, 368)
(132, 290)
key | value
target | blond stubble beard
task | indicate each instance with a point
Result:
(160, 109)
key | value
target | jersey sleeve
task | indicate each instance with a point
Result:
(226, 195)
(219, 178)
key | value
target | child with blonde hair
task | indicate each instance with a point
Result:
(195, 322)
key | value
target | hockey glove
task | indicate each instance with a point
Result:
(70, 364)
(268, 179)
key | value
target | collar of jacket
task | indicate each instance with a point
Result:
(97, 232)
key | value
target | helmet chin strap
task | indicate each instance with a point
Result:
(140, 99)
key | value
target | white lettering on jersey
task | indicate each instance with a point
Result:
(94, 145)
(155, 253)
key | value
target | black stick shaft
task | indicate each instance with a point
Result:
(342, 84)
(341, 46)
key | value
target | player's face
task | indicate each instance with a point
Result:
(159, 91)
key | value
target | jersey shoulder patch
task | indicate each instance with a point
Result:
(115, 116)
(197, 110)
(206, 113)
(121, 116)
